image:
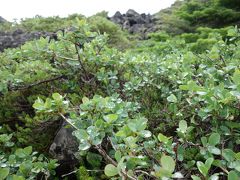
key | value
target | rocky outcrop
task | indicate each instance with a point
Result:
(135, 22)
(18, 37)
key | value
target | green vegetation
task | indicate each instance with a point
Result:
(167, 108)
(213, 13)
(188, 15)
(117, 37)
(23, 162)
(39, 23)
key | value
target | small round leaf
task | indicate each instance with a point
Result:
(168, 163)
(214, 139)
(110, 170)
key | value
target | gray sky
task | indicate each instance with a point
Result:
(18, 9)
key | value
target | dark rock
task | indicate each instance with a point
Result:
(64, 145)
(135, 22)
(118, 15)
(117, 18)
(63, 148)
(19, 37)
(131, 13)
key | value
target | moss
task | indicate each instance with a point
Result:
(83, 174)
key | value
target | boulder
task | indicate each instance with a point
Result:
(64, 148)
(132, 13)
(117, 18)
(135, 22)
(64, 145)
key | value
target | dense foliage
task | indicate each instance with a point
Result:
(168, 108)
(215, 13)
(188, 15)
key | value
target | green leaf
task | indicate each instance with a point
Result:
(124, 132)
(214, 150)
(131, 142)
(48, 103)
(57, 97)
(237, 156)
(96, 141)
(180, 152)
(39, 104)
(191, 86)
(228, 154)
(110, 170)
(232, 32)
(214, 139)
(85, 100)
(27, 150)
(209, 162)
(15, 177)
(172, 98)
(4, 138)
(26, 167)
(235, 165)
(168, 163)
(20, 153)
(118, 155)
(236, 77)
(145, 133)
(84, 145)
(202, 168)
(232, 175)
(4, 173)
(110, 118)
(121, 164)
(163, 138)
(121, 133)
(195, 177)
(131, 163)
(183, 126)
(138, 124)
(81, 134)
(204, 141)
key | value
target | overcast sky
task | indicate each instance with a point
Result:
(18, 9)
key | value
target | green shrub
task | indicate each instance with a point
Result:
(169, 109)
(211, 13)
(159, 36)
(117, 38)
(21, 163)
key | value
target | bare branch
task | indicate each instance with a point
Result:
(68, 121)
(35, 84)
(105, 155)
(80, 61)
